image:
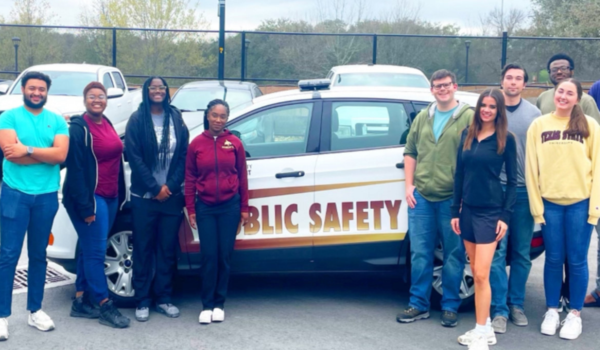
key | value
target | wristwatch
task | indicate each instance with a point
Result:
(29, 150)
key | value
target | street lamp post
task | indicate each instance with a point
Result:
(467, 45)
(221, 39)
(16, 41)
(246, 46)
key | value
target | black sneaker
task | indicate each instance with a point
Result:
(411, 315)
(82, 308)
(449, 319)
(110, 316)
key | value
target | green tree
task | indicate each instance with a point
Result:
(37, 45)
(575, 18)
(150, 52)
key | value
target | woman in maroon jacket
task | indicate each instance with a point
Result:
(216, 197)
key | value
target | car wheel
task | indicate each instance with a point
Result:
(118, 264)
(467, 285)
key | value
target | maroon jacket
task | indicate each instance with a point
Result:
(215, 170)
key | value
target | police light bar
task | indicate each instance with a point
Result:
(314, 84)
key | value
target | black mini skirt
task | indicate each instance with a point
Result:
(478, 224)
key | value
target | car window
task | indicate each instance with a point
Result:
(119, 80)
(358, 125)
(257, 92)
(107, 81)
(277, 132)
(196, 99)
(418, 107)
(63, 83)
(330, 74)
(382, 79)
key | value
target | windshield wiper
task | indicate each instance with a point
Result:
(189, 110)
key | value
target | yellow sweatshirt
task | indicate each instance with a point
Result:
(562, 169)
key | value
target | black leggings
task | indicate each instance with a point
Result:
(155, 229)
(217, 227)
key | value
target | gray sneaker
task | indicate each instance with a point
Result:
(168, 310)
(142, 314)
(499, 324)
(518, 317)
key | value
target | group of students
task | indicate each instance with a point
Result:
(36, 142)
(478, 178)
(482, 178)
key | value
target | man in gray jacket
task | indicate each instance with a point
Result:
(508, 295)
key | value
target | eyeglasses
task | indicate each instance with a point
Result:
(94, 97)
(157, 88)
(565, 69)
(442, 86)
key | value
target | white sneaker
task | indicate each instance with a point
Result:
(551, 322)
(3, 329)
(205, 317)
(479, 342)
(467, 338)
(41, 321)
(218, 315)
(572, 327)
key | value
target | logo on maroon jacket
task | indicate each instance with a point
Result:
(227, 145)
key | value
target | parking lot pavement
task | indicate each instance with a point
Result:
(300, 311)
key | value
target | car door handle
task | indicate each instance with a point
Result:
(400, 165)
(290, 174)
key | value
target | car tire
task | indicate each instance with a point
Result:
(467, 290)
(118, 262)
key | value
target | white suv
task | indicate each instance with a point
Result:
(326, 189)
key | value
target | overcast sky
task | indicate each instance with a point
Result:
(247, 14)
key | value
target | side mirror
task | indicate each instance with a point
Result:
(114, 92)
(4, 89)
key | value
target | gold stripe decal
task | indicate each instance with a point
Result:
(317, 240)
(274, 192)
(356, 239)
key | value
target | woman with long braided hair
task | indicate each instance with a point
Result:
(156, 142)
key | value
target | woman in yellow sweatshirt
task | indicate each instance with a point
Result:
(563, 183)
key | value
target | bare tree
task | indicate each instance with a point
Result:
(497, 21)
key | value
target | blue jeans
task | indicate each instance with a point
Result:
(566, 235)
(426, 222)
(598, 257)
(32, 214)
(92, 247)
(511, 291)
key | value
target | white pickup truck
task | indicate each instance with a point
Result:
(66, 92)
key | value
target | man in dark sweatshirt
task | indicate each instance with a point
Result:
(508, 295)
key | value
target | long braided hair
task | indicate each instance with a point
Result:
(154, 154)
(210, 106)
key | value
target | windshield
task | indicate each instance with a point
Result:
(196, 99)
(64, 83)
(382, 79)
